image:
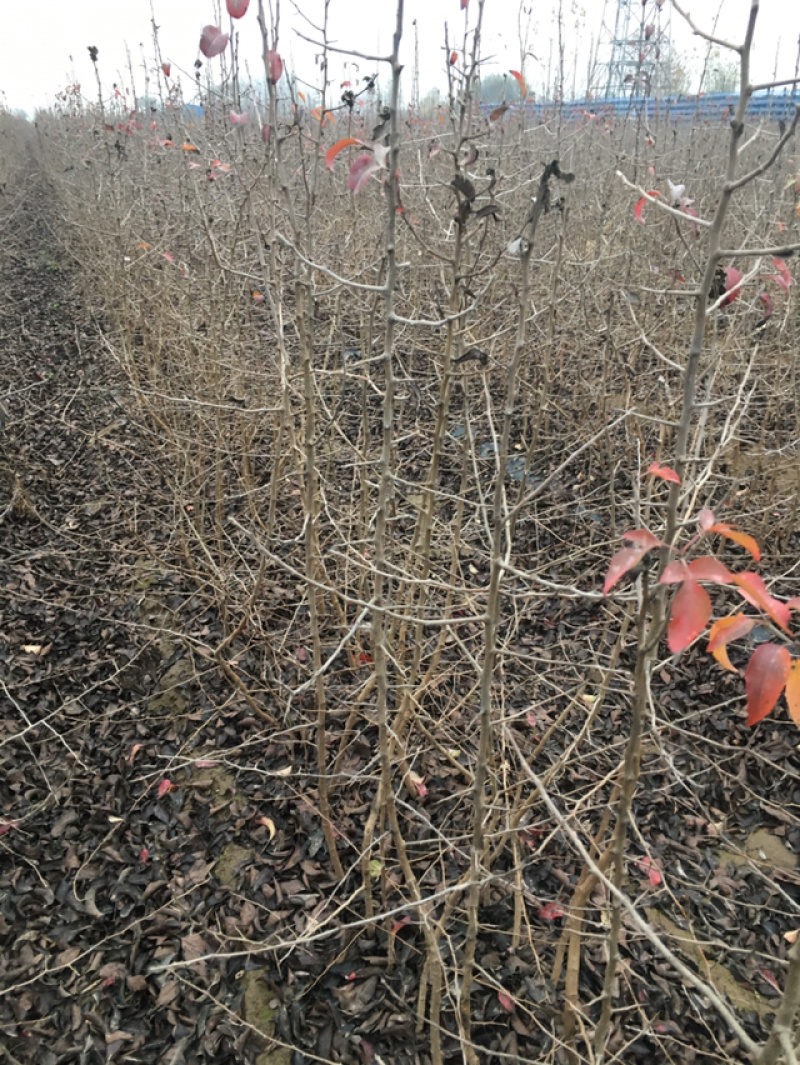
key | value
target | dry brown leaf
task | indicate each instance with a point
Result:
(168, 993)
(116, 1037)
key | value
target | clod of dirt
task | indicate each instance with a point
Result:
(762, 846)
(682, 940)
(259, 1013)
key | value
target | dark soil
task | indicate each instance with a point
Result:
(150, 818)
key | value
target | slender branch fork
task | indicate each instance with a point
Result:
(641, 925)
(663, 206)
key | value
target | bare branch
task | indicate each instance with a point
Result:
(284, 240)
(773, 84)
(539, 488)
(661, 205)
(731, 186)
(780, 251)
(780, 1038)
(639, 923)
(702, 33)
(345, 51)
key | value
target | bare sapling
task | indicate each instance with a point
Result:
(685, 616)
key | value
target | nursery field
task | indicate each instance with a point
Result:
(319, 738)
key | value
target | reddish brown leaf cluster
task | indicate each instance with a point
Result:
(770, 671)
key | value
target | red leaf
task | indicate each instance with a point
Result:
(651, 870)
(721, 655)
(725, 631)
(361, 170)
(333, 151)
(301, 654)
(551, 911)
(781, 281)
(453, 58)
(266, 133)
(639, 208)
(740, 538)
(275, 67)
(732, 278)
(693, 213)
(419, 783)
(666, 473)
(754, 591)
(769, 978)
(642, 537)
(498, 113)
(530, 836)
(691, 609)
(7, 827)
(237, 8)
(766, 299)
(793, 692)
(144, 854)
(783, 273)
(165, 786)
(675, 573)
(620, 563)
(523, 88)
(213, 41)
(464, 4)
(764, 680)
(706, 519)
(506, 1001)
(237, 119)
(400, 924)
(708, 568)
(166, 68)
(649, 31)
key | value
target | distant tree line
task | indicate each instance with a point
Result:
(673, 76)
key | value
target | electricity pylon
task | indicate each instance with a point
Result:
(633, 34)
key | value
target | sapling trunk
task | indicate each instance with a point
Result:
(304, 310)
(499, 529)
(385, 801)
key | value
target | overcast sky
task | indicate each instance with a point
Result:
(47, 40)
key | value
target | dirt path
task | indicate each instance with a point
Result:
(100, 877)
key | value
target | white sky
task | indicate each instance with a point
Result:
(46, 41)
